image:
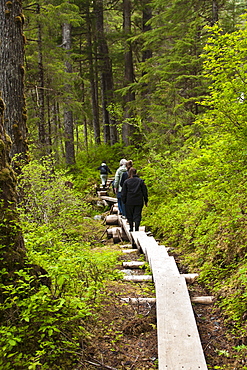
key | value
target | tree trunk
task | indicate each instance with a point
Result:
(129, 73)
(41, 92)
(146, 16)
(215, 14)
(109, 124)
(68, 114)
(94, 94)
(12, 74)
(146, 54)
(11, 241)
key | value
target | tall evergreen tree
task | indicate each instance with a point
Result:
(107, 89)
(129, 97)
(12, 43)
(11, 77)
(68, 114)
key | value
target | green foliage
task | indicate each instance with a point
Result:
(198, 192)
(85, 173)
(48, 303)
(203, 214)
(225, 66)
(49, 197)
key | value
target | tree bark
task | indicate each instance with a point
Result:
(11, 240)
(94, 95)
(68, 114)
(109, 124)
(215, 12)
(41, 92)
(129, 74)
(12, 75)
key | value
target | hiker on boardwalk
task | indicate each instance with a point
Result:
(117, 187)
(134, 195)
(125, 175)
(104, 170)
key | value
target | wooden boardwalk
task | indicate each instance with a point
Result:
(179, 345)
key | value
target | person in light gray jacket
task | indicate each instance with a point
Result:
(117, 187)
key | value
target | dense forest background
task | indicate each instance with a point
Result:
(159, 82)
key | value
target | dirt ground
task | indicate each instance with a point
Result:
(125, 335)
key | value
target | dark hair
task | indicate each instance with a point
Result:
(129, 164)
(132, 172)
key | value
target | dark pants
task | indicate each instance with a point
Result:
(121, 206)
(134, 215)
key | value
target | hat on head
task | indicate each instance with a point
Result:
(123, 162)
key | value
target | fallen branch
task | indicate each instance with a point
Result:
(99, 364)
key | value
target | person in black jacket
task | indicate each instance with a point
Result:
(104, 170)
(134, 195)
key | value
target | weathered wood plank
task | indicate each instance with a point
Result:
(109, 199)
(138, 278)
(179, 345)
(133, 264)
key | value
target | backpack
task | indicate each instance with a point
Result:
(103, 170)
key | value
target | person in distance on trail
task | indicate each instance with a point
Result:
(104, 170)
(117, 187)
(134, 195)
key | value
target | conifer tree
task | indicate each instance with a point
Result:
(68, 114)
(129, 97)
(12, 71)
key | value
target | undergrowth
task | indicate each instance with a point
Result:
(198, 207)
(47, 305)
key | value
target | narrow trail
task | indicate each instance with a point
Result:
(126, 336)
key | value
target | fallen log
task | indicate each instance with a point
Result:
(206, 300)
(111, 220)
(190, 278)
(102, 192)
(116, 234)
(133, 264)
(139, 300)
(138, 278)
(130, 250)
(126, 246)
(203, 300)
(114, 210)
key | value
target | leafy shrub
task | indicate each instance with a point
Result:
(44, 316)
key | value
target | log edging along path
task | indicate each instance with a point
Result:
(179, 345)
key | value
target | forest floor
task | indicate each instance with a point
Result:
(124, 336)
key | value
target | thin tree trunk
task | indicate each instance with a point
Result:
(94, 94)
(109, 124)
(146, 54)
(68, 114)
(12, 75)
(49, 125)
(146, 16)
(60, 130)
(129, 73)
(41, 92)
(215, 14)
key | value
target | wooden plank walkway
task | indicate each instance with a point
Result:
(179, 345)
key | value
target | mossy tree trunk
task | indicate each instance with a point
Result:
(12, 74)
(11, 240)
